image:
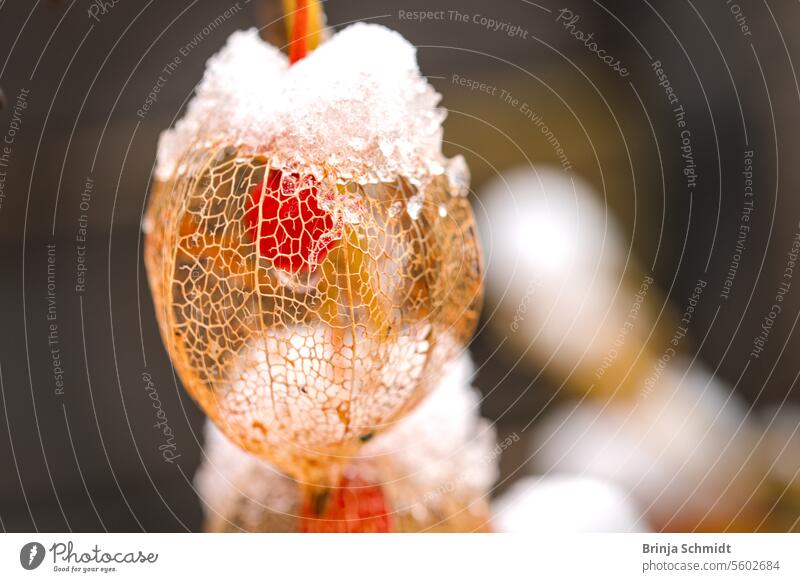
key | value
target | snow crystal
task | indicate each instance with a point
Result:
(357, 106)
(458, 176)
(395, 209)
(414, 207)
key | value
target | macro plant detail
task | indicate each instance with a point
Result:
(312, 286)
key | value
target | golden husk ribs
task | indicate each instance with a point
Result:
(299, 354)
(312, 255)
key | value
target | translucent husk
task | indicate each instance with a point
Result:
(299, 368)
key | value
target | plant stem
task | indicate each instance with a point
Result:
(298, 44)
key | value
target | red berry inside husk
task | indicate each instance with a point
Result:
(355, 506)
(292, 225)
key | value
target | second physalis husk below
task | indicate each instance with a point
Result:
(432, 471)
(313, 259)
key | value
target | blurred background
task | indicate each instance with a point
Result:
(634, 181)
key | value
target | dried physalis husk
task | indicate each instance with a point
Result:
(432, 471)
(303, 312)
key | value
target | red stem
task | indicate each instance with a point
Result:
(298, 46)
